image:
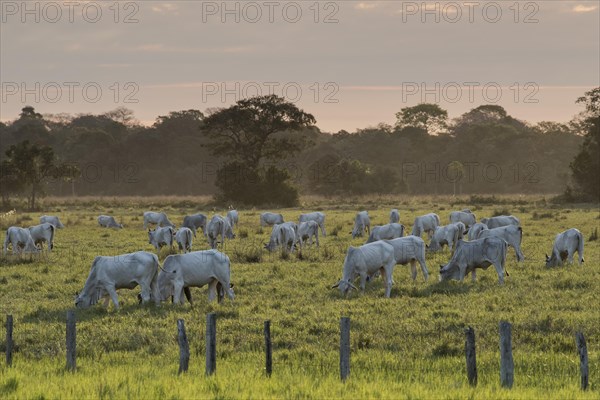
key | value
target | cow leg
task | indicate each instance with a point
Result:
(113, 295)
(413, 269)
(387, 273)
(500, 270)
(212, 290)
(473, 275)
(519, 253)
(424, 269)
(145, 292)
(323, 230)
(188, 295)
(363, 281)
(177, 291)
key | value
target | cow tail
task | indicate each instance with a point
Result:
(505, 244)
(520, 235)
(580, 247)
(457, 236)
(189, 237)
(52, 229)
(5, 248)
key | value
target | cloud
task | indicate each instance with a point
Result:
(165, 8)
(580, 8)
(366, 6)
(160, 48)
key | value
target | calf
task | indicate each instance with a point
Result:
(565, 246)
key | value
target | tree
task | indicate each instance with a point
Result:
(33, 166)
(456, 169)
(586, 165)
(254, 131)
(430, 117)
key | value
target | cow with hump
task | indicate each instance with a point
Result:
(480, 253)
(565, 246)
(195, 269)
(107, 221)
(125, 271)
(156, 218)
(51, 219)
(43, 233)
(193, 222)
(362, 223)
(318, 217)
(20, 239)
(364, 262)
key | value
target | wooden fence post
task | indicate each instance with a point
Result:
(507, 366)
(71, 341)
(470, 356)
(344, 348)
(184, 348)
(9, 339)
(583, 359)
(268, 349)
(211, 343)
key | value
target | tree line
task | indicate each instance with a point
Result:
(265, 150)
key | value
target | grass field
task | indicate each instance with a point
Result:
(408, 346)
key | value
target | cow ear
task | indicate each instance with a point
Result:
(441, 267)
(547, 258)
(336, 285)
(231, 285)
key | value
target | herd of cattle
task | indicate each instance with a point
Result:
(386, 247)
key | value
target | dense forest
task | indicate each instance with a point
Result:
(485, 150)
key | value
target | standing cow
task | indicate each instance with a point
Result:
(501, 220)
(318, 217)
(195, 269)
(160, 219)
(282, 235)
(480, 253)
(160, 237)
(20, 239)
(465, 216)
(218, 227)
(183, 237)
(386, 232)
(565, 246)
(394, 216)
(512, 234)
(475, 229)
(194, 222)
(362, 222)
(425, 223)
(446, 235)
(365, 261)
(125, 271)
(232, 217)
(51, 220)
(410, 249)
(308, 230)
(107, 221)
(43, 233)
(270, 219)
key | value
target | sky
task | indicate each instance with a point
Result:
(352, 64)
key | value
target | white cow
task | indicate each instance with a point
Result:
(160, 237)
(160, 219)
(183, 237)
(513, 235)
(365, 261)
(282, 235)
(270, 219)
(410, 249)
(466, 217)
(386, 232)
(394, 216)
(425, 223)
(565, 246)
(107, 221)
(125, 271)
(43, 233)
(52, 220)
(475, 229)
(362, 222)
(318, 217)
(446, 235)
(195, 269)
(232, 217)
(218, 226)
(308, 230)
(194, 222)
(21, 241)
(480, 253)
(502, 220)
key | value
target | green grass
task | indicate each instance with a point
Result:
(409, 346)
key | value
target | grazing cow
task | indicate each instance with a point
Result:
(308, 230)
(361, 223)
(282, 235)
(425, 223)
(160, 219)
(466, 217)
(107, 221)
(565, 245)
(160, 237)
(394, 216)
(386, 232)
(43, 233)
(21, 241)
(218, 226)
(52, 220)
(270, 219)
(480, 253)
(410, 249)
(125, 271)
(502, 220)
(446, 235)
(232, 217)
(318, 217)
(365, 261)
(513, 235)
(183, 237)
(195, 269)
(475, 229)
(194, 222)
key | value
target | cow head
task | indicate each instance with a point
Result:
(449, 271)
(551, 261)
(345, 286)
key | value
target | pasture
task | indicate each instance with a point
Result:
(408, 346)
